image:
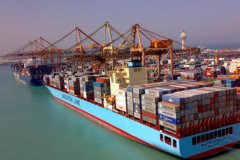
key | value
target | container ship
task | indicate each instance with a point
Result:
(187, 118)
(32, 74)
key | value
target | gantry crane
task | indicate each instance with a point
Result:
(136, 42)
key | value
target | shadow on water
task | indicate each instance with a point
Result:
(226, 153)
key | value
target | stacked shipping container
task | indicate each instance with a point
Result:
(230, 82)
(144, 106)
(74, 85)
(121, 100)
(180, 108)
(101, 87)
(54, 80)
(130, 100)
(137, 107)
(196, 110)
(86, 86)
(191, 75)
(149, 102)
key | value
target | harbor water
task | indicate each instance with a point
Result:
(33, 126)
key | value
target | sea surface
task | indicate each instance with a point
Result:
(35, 127)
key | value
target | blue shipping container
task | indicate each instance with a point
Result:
(98, 84)
(169, 119)
(134, 63)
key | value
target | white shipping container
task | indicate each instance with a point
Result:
(169, 114)
(120, 98)
(129, 94)
(150, 97)
(129, 99)
(121, 92)
(168, 125)
(121, 108)
(153, 91)
(169, 106)
(136, 100)
(109, 106)
(149, 104)
(137, 115)
(139, 90)
(122, 103)
(149, 109)
(98, 100)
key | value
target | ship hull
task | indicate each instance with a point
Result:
(137, 131)
(27, 79)
(103, 123)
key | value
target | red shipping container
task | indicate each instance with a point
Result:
(149, 114)
(102, 79)
(200, 109)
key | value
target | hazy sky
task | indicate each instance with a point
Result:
(213, 23)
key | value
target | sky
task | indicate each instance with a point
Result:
(210, 23)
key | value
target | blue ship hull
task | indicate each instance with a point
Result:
(28, 79)
(182, 147)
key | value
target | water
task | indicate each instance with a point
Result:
(35, 127)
